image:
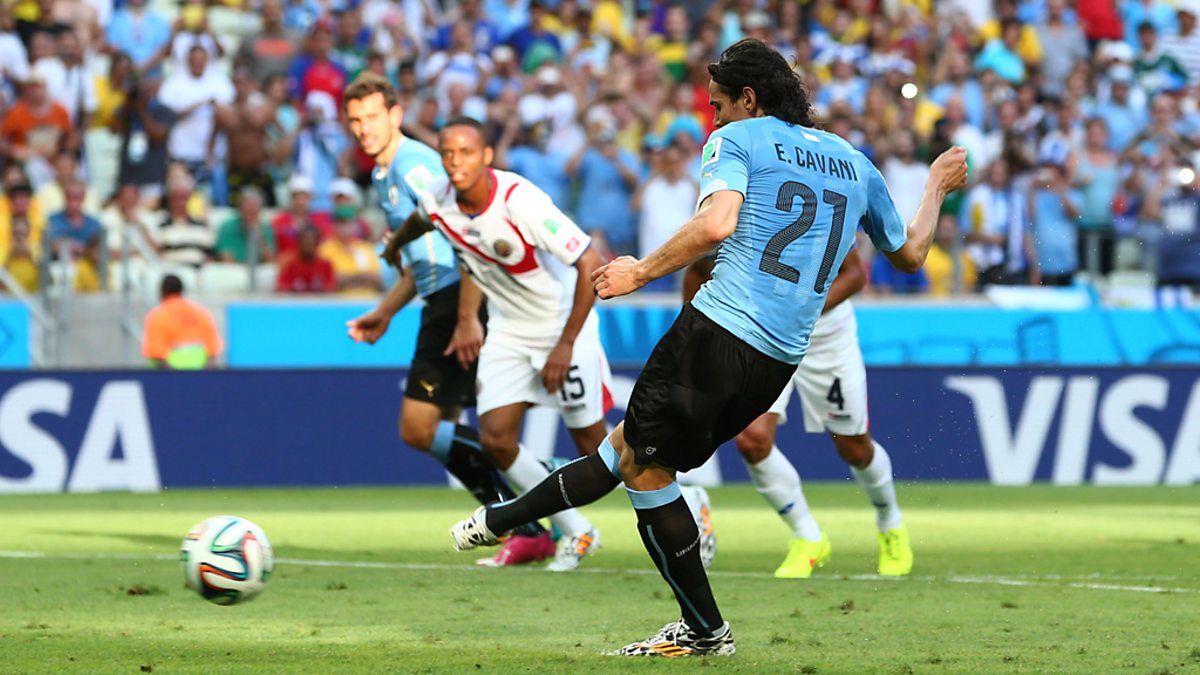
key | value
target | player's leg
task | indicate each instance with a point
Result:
(778, 482)
(872, 469)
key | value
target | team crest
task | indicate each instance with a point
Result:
(503, 248)
(712, 152)
(394, 195)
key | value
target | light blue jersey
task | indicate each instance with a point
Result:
(413, 170)
(806, 192)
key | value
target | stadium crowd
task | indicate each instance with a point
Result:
(211, 132)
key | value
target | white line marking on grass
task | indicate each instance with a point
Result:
(1025, 580)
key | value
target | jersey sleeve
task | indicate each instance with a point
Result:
(882, 222)
(544, 225)
(725, 162)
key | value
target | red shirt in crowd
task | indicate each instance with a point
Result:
(306, 276)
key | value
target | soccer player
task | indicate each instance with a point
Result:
(441, 381)
(832, 382)
(782, 200)
(534, 265)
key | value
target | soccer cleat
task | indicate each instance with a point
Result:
(572, 549)
(519, 550)
(803, 557)
(473, 532)
(895, 552)
(676, 639)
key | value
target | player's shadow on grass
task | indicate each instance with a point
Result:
(165, 544)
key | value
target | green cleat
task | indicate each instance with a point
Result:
(803, 557)
(895, 553)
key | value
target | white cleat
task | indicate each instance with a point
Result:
(701, 506)
(473, 532)
(572, 550)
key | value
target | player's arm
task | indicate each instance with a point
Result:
(370, 327)
(554, 373)
(697, 273)
(948, 173)
(417, 224)
(851, 278)
(467, 339)
(713, 223)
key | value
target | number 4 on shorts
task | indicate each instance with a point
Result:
(835, 394)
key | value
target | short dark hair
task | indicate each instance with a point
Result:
(171, 285)
(368, 83)
(464, 121)
(751, 63)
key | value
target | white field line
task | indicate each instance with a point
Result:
(1084, 582)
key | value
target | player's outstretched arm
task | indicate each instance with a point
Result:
(713, 223)
(370, 327)
(417, 224)
(467, 339)
(948, 173)
(851, 278)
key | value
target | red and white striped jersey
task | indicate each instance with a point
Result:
(521, 250)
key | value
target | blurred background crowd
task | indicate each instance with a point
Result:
(208, 135)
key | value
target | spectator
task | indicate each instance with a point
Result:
(1002, 56)
(996, 214)
(1124, 119)
(320, 146)
(141, 33)
(51, 196)
(1156, 70)
(179, 334)
(1066, 47)
(193, 95)
(845, 88)
(306, 272)
(181, 238)
(144, 124)
(125, 217)
(288, 224)
(940, 266)
(665, 200)
(272, 49)
(36, 128)
(1055, 209)
(350, 43)
(1156, 15)
(68, 81)
(282, 129)
(111, 89)
(1175, 201)
(21, 255)
(316, 71)
(552, 103)
(608, 176)
(484, 34)
(91, 267)
(345, 193)
(1184, 45)
(458, 63)
(536, 46)
(190, 32)
(957, 83)
(246, 238)
(354, 261)
(904, 175)
(14, 60)
(72, 229)
(535, 159)
(1097, 174)
(19, 209)
(245, 124)
(504, 76)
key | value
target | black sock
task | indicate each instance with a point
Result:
(581, 482)
(672, 539)
(466, 461)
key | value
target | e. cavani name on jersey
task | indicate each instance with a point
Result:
(805, 158)
(521, 250)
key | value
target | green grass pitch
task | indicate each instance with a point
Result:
(1041, 579)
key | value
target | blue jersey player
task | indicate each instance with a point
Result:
(441, 381)
(782, 201)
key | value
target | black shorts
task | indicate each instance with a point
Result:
(435, 378)
(701, 387)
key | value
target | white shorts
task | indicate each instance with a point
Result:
(509, 372)
(832, 381)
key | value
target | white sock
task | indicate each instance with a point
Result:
(525, 472)
(876, 481)
(779, 483)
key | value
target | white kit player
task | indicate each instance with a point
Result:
(832, 383)
(534, 265)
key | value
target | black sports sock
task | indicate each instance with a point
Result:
(475, 470)
(672, 539)
(581, 482)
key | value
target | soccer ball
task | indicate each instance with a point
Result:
(227, 559)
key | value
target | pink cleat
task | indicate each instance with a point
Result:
(520, 551)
